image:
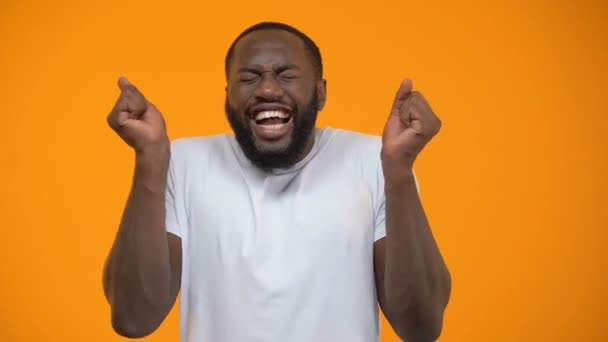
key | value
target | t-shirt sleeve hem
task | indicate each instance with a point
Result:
(379, 233)
(174, 230)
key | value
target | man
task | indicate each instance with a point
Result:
(282, 231)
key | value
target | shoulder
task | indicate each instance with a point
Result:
(187, 152)
(352, 142)
(353, 153)
(186, 146)
(198, 142)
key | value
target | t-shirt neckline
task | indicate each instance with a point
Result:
(320, 140)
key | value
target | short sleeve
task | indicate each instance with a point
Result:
(380, 224)
(380, 200)
(380, 204)
(172, 222)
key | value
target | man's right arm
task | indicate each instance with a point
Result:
(143, 270)
(142, 274)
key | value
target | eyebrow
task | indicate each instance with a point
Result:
(283, 67)
(248, 69)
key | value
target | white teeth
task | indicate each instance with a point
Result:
(277, 126)
(267, 114)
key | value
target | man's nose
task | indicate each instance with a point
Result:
(269, 88)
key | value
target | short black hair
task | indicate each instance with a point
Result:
(310, 45)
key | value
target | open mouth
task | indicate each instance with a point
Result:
(272, 124)
(271, 117)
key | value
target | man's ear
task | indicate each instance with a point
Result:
(321, 94)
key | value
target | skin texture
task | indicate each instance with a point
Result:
(142, 274)
(413, 281)
(272, 68)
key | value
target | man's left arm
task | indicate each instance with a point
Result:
(412, 279)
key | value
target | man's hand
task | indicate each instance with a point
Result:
(411, 125)
(137, 121)
(142, 273)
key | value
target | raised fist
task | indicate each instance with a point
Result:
(136, 120)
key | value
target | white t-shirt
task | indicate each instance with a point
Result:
(278, 256)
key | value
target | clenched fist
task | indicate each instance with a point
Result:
(137, 121)
(411, 125)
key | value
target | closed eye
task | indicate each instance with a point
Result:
(288, 76)
(248, 78)
(287, 72)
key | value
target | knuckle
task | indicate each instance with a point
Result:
(438, 126)
(437, 120)
(110, 117)
(111, 120)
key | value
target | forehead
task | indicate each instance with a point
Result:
(268, 47)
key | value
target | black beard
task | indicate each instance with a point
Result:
(303, 126)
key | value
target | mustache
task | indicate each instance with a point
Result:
(304, 124)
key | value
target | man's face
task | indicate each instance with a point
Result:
(272, 99)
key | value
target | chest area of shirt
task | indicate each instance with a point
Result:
(280, 215)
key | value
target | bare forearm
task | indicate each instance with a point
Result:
(137, 276)
(417, 282)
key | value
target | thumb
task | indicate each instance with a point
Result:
(124, 83)
(402, 94)
(132, 100)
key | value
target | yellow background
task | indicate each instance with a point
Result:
(514, 185)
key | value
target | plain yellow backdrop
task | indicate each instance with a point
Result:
(514, 185)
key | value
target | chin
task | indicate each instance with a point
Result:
(282, 152)
(273, 146)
